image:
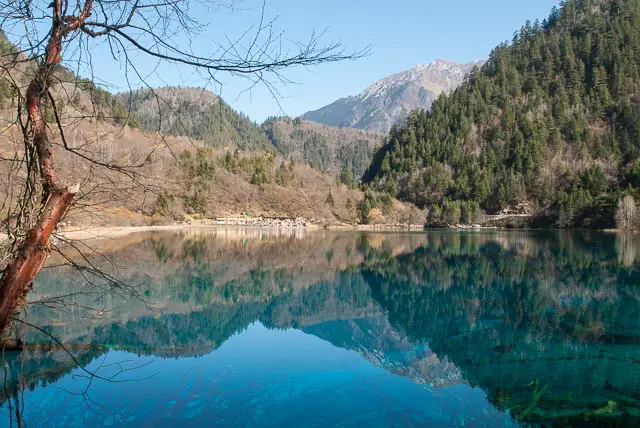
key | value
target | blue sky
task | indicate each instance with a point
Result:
(402, 33)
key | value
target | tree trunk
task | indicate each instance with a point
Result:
(23, 268)
(26, 263)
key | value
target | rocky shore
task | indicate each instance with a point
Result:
(271, 222)
(296, 223)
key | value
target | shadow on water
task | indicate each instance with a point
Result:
(547, 324)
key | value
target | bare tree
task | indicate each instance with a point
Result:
(64, 33)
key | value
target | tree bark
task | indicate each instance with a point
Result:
(28, 261)
(21, 271)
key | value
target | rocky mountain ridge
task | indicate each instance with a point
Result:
(390, 100)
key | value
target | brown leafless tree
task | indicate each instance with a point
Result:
(63, 33)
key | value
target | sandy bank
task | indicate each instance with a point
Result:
(106, 232)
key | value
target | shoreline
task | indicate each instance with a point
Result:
(108, 232)
(111, 232)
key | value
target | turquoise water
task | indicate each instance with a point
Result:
(262, 328)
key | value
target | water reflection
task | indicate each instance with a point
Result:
(263, 328)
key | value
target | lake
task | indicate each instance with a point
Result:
(265, 328)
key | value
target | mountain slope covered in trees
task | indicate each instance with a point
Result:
(196, 113)
(551, 122)
(228, 166)
(200, 114)
(344, 151)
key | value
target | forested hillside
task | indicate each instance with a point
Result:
(339, 150)
(549, 125)
(195, 113)
(213, 184)
(199, 114)
(131, 174)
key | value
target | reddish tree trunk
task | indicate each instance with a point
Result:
(25, 265)
(23, 268)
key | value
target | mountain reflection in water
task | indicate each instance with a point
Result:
(249, 327)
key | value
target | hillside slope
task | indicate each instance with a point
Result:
(391, 99)
(328, 148)
(550, 125)
(184, 179)
(133, 176)
(196, 113)
(200, 114)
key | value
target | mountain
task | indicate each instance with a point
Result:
(549, 127)
(391, 99)
(193, 156)
(327, 148)
(196, 113)
(200, 114)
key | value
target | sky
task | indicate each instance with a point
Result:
(401, 33)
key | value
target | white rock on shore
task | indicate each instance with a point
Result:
(283, 223)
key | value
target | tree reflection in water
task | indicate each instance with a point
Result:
(546, 323)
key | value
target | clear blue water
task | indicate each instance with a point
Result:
(263, 329)
(260, 377)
